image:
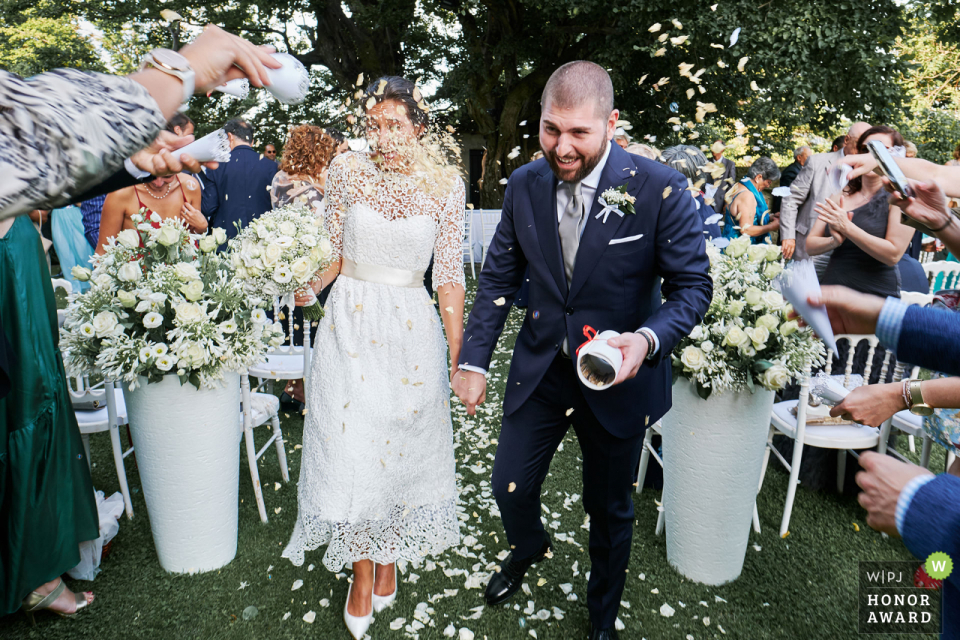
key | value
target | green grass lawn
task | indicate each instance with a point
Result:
(803, 586)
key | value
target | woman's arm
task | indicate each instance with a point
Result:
(887, 250)
(818, 241)
(191, 207)
(451, 298)
(872, 404)
(111, 217)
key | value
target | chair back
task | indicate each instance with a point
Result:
(85, 396)
(950, 271)
(60, 283)
(288, 347)
(917, 298)
(854, 340)
(468, 235)
(489, 220)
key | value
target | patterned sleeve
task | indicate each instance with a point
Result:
(448, 251)
(64, 131)
(337, 201)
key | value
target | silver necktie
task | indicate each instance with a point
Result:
(570, 225)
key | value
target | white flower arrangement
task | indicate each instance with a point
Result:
(280, 252)
(745, 338)
(163, 301)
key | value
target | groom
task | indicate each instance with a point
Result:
(643, 274)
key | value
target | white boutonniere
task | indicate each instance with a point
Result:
(614, 198)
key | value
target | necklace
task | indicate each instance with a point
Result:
(156, 197)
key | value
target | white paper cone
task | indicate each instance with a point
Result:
(289, 84)
(601, 359)
(214, 147)
(797, 284)
(239, 88)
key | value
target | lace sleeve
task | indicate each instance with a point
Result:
(63, 132)
(337, 201)
(448, 251)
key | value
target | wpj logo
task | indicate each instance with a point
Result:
(889, 602)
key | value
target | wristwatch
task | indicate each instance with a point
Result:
(174, 64)
(645, 333)
(917, 405)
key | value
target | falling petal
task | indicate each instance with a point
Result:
(667, 611)
(449, 310)
(659, 53)
(569, 411)
(713, 7)
(503, 181)
(523, 124)
(667, 191)
(690, 93)
(371, 103)
(676, 23)
(663, 37)
(734, 36)
(753, 85)
(310, 616)
(170, 16)
(742, 63)
(644, 77)
(381, 87)
(511, 487)
(359, 79)
(296, 585)
(500, 302)
(654, 28)
(677, 41)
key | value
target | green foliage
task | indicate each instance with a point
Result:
(35, 43)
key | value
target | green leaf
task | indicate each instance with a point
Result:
(750, 384)
(702, 391)
(762, 365)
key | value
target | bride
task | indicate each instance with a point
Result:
(377, 476)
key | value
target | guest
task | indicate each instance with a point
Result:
(637, 149)
(342, 146)
(270, 151)
(955, 161)
(812, 185)
(788, 175)
(181, 124)
(690, 161)
(863, 230)
(160, 195)
(727, 179)
(90, 211)
(237, 192)
(837, 144)
(621, 138)
(68, 239)
(747, 207)
(911, 149)
(912, 275)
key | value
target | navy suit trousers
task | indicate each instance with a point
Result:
(528, 439)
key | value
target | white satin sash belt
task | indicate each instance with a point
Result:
(381, 275)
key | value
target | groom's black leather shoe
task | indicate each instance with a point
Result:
(506, 582)
(604, 634)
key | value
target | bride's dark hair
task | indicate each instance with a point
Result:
(404, 92)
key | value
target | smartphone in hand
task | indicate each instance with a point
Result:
(889, 167)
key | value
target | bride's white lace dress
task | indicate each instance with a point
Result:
(377, 476)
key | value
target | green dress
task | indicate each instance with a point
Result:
(47, 504)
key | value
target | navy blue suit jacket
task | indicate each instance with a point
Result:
(932, 523)
(237, 191)
(615, 286)
(929, 339)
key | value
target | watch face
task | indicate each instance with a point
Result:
(171, 59)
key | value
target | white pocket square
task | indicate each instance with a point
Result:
(627, 239)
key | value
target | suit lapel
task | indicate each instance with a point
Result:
(597, 233)
(543, 203)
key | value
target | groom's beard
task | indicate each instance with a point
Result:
(587, 164)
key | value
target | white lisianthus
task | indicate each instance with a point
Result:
(105, 323)
(757, 253)
(193, 290)
(145, 354)
(772, 270)
(285, 242)
(143, 305)
(735, 337)
(773, 252)
(228, 326)
(776, 377)
(164, 363)
(697, 333)
(308, 240)
(753, 297)
(219, 235)
(168, 235)
(759, 337)
(748, 350)
(188, 312)
(287, 228)
(693, 358)
(259, 316)
(127, 299)
(130, 272)
(789, 328)
(262, 232)
(769, 321)
(773, 300)
(282, 274)
(302, 269)
(152, 320)
(707, 346)
(159, 349)
(155, 217)
(735, 308)
(129, 238)
(271, 255)
(187, 271)
(208, 244)
(87, 330)
(81, 273)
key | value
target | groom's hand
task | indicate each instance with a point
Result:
(471, 388)
(634, 349)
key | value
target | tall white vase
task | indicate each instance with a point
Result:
(712, 454)
(186, 443)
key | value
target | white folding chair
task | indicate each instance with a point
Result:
(950, 271)
(66, 285)
(468, 241)
(288, 361)
(109, 412)
(843, 438)
(489, 219)
(905, 421)
(258, 409)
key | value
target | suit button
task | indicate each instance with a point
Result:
(569, 311)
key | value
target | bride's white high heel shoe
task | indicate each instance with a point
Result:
(357, 625)
(382, 602)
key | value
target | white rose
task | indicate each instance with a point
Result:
(776, 377)
(87, 330)
(302, 269)
(757, 253)
(164, 363)
(282, 274)
(104, 280)
(707, 346)
(752, 296)
(325, 246)
(129, 238)
(187, 271)
(219, 235)
(127, 299)
(228, 326)
(271, 255)
(789, 328)
(262, 231)
(208, 244)
(81, 273)
(287, 228)
(193, 354)
(192, 291)
(308, 240)
(188, 312)
(759, 337)
(748, 350)
(693, 358)
(697, 332)
(152, 320)
(130, 272)
(738, 247)
(735, 308)
(769, 321)
(735, 337)
(104, 323)
(773, 252)
(285, 242)
(786, 311)
(772, 270)
(168, 235)
(773, 300)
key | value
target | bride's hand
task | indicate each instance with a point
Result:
(306, 297)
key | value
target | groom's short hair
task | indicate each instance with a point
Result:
(578, 83)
